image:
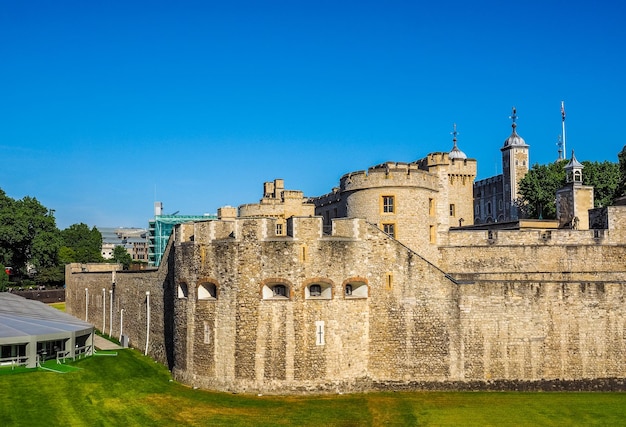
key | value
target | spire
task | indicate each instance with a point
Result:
(455, 153)
(560, 145)
(514, 139)
(513, 118)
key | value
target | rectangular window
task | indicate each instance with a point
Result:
(388, 204)
(319, 333)
(279, 229)
(390, 229)
(432, 234)
(452, 209)
(431, 207)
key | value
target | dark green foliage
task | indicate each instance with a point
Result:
(28, 234)
(80, 244)
(4, 279)
(538, 188)
(605, 178)
(121, 256)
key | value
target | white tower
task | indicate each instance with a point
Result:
(514, 168)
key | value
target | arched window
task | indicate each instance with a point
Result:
(279, 290)
(275, 291)
(207, 291)
(318, 290)
(182, 290)
(355, 290)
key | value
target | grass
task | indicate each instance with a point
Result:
(133, 390)
(58, 305)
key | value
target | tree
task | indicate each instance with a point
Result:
(605, 179)
(4, 278)
(538, 188)
(80, 244)
(121, 256)
(28, 234)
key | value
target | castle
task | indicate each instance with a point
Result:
(407, 275)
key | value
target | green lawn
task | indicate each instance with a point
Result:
(58, 305)
(132, 390)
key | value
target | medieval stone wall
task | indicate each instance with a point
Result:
(516, 306)
(87, 297)
(403, 326)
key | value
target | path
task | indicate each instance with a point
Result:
(104, 344)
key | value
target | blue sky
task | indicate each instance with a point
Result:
(106, 107)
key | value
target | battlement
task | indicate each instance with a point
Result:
(389, 174)
(298, 228)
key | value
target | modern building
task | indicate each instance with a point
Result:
(160, 229)
(134, 240)
(32, 332)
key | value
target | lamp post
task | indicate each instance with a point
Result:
(121, 323)
(104, 310)
(111, 312)
(147, 321)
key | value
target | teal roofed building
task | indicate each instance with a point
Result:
(160, 229)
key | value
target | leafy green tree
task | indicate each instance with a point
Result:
(4, 279)
(538, 188)
(605, 179)
(28, 234)
(121, 256)
(81, 244)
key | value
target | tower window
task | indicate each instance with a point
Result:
(452, 209)
(390, 229)
(388, 204)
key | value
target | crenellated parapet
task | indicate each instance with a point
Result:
(242, 229)
(390, 174)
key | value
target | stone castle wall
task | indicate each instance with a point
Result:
(517, 308)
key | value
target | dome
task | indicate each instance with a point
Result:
(514, 139)
(456, 153)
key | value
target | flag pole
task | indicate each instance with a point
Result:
(563, 125)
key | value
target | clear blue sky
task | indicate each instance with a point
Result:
(106, 107)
